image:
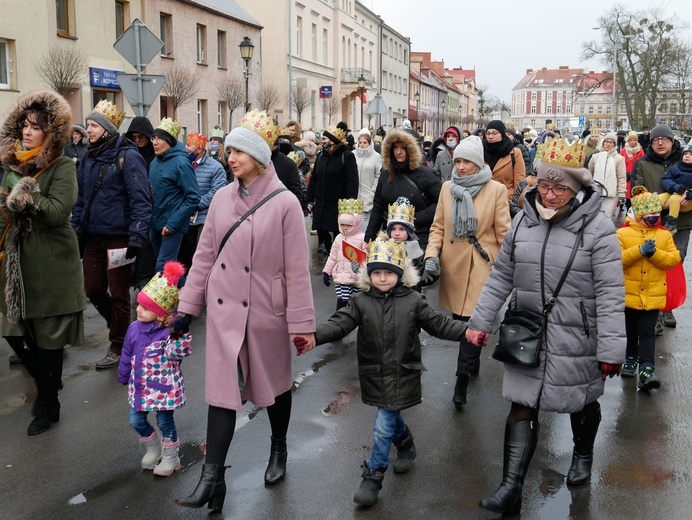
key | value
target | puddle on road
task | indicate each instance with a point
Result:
(637, 474)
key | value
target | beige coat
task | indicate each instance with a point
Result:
(463, 270)
(510, 176)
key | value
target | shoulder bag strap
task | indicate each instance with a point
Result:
(514, 236)
(249, 212)
(412, 183)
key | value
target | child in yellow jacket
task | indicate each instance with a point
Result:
(648, 250)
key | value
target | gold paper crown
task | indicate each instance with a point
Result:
(387, 252)
(428, 138)
(295, 158)
(336, 132)
(284, 132)
(401, 211)
(377, 138)
(197, 140)
(170, 126)
(644, 202)
(110, 112)
(563, 153)
(350, 206)
(262, 125)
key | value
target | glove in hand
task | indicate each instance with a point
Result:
(431, 272)
(355, 267)
(300, 343)
(133, 249)
(609, 370)
(648, 249)
(622, 201)
(180, 325)
(677, 188)
(325, 279)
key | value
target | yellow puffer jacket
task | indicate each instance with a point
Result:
(645, 278)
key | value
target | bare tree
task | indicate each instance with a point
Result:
(268, 96)
(62, 68)
(679, 84)
(299, 99)
(332, 106)
(231, 92)
(181, 85)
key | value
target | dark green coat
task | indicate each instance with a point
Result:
(389, 350)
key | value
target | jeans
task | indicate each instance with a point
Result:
(389, 426)
(641, 338)
(166, 247)
(164, 420)
(366, 220)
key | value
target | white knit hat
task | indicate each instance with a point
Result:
(251, 143)
(470, 149)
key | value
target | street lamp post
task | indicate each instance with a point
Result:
(444, 116)
(246, 49)
(416, 96)
(361, 88)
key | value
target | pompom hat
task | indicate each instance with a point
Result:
(160, 295)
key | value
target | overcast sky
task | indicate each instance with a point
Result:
(501, 38)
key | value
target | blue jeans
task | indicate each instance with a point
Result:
(164, 420)
(165, 247)
(389, 426)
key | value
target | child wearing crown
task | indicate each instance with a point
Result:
(389, 315)
(150, 366)
(338, 266)
(648, 250)
(401, 229)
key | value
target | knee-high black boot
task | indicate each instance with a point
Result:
(210, 489)
(48, 383)
(520, 443)
(584, 429)
(276, 469)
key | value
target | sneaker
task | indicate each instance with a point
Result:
(313, 231)
(671, 225)
(110, 361)
(15, 359)
(647, 379)
(658, 328)
(669, 320)
(629, 369)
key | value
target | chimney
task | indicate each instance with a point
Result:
(529, 71)
(563, 67)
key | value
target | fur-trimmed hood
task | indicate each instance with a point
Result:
(410, 278)
(413, 151)
(57, 134)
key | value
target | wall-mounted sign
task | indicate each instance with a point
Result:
(103, 78)
(325, 92)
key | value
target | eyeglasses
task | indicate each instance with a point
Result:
(156, 138)
(558, 191)
(492, 133)
(661, 139)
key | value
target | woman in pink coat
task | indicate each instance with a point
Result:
(258, 295)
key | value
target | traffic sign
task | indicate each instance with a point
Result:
(581, 120)
(149, 44)
(151, 86)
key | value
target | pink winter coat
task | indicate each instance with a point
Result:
(256, 292)
(338, 266)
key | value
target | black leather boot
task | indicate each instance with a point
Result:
(460, 390)
(48, 382)
(276, 469)
(520, 443)
(210, 489)
(584, 429)
(406, 452)
(370, 485)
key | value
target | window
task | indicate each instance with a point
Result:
(166, 34)
(533, 96)
(5, 68)
(201, 115)
(201, 43)
(608, 109)
(64, 11)
(549, 109)
(590, 109)
(325, 47)
(299, 36)
(313, 41)
(599, 110)
(119, 18)
(221, 49)
(221, 113)
(533, 109)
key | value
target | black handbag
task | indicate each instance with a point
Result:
(521, 331)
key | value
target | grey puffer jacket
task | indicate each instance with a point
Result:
(389, 350)
(587, 325)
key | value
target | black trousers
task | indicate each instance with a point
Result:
(641, 338)
(469, 359)
(326, 238)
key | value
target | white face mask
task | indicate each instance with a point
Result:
(452, 144)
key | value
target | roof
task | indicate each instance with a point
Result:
(562, 76)
(597, 82)
(460, 75)
(228, 8)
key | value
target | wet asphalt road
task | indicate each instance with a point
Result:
(87, 465)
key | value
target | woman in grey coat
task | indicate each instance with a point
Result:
(584, 340)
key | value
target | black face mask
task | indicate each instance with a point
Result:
(285, 147)
(326, 147)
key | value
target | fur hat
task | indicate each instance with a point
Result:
(470, 149)
(107, 115)
(662, 131)
(160, 295)
(643, 202)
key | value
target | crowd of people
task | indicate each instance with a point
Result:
(219, 222)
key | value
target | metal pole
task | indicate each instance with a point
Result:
(247, 87)
(361, 107)
(140, 87)
(615, 72)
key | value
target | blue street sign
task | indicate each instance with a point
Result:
(103, 78)
(325, 92)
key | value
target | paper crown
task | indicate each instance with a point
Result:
(262, 124)
(644, 202)
(387, 252)
(169, 126)
(401, 211)
(216, 132)
(377, 138)
(335, 133)
(564, 153)
(350, 206)
(296, 158)
(110, 112)
(428, 138)
(160, 295)
(197, 140)
(284, 132)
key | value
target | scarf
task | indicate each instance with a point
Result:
(631, 151)
(493, 152)
(464, 190)
(24, 155)
(102, 144)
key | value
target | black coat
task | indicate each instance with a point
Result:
(287, 172)
(77, 149)
(333, 177)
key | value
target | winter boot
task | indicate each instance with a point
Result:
(276, 469)
(170, 461)
(460, 389)
(406, 453)
(48, 383)
(520, 443)
(669, 320)
(584, 429)
(153, 446)
(671, 224)
(370, 486)
(210, 489)
(647, 379)
(629, 369)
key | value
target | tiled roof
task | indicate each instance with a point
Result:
(229, 8)
(547, 77)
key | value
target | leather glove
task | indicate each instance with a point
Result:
(180, 325)
(355, 267)
(622, 201)
(431, 271)
(609, 370)
(677, 188)
(325, 279)
(648, 249)
(133, 249)
(688, 194)
(300, 343)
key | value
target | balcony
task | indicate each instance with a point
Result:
(352, 75)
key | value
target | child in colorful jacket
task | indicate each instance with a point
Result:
(648, 250)
(338, 267)
(150, 366)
